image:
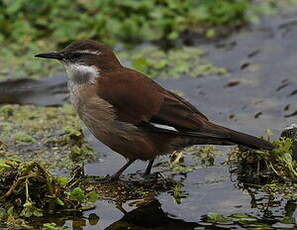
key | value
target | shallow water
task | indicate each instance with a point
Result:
(260, 92)
(262, 82)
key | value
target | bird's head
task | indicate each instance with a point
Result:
(85, 59)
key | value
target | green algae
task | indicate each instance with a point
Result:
(155, 62)
(53, 226)
(273, 172)
(289, 190)
(53, 134)
(179, 193)
(148, 59)
(23, 137)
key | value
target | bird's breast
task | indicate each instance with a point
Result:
(88, 104)
(96, 113)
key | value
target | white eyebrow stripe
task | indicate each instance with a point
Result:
(88, 52)
(167, 127)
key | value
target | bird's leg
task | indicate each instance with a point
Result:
(116, 176)
(149, 167)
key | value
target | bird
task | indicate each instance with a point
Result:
(131, 113)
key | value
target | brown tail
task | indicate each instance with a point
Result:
(250, 141)
(242, 138)
(210, 133)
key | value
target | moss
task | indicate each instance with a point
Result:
(23, 137)
(289, 190)
(53, 134)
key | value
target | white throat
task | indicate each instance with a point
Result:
(80, 74)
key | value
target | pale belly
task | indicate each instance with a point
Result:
(99, 116)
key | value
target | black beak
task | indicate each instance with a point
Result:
(52, 55)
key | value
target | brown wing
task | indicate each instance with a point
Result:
(138, 100)
(134, 97)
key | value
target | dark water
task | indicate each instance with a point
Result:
(260, 92)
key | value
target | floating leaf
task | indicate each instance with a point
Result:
(93, 196)
(62, 180)
(77, 194)
(216, 217)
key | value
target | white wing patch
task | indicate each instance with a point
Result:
(167, 127)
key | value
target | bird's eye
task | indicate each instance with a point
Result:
(75, 55)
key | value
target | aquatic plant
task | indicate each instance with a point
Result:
(176, 62)
(28, 190)
(272, 171)
(28, 27)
